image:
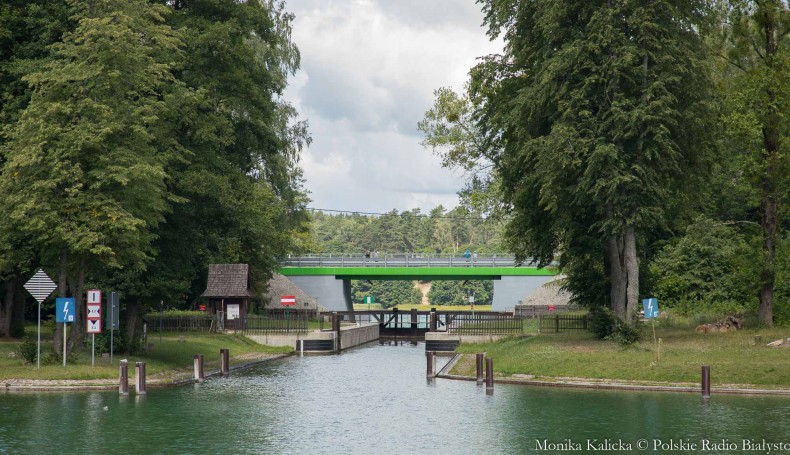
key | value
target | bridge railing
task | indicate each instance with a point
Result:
(400, 260)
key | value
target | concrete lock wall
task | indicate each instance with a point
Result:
(355, 335)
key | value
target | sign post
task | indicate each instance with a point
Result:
(472, 304)
(40, 286)
(651, 312)
(113, 322)
(64, 312)
(93, 319)
(369, 299)
(287, 301)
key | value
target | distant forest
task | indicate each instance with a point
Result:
(440, 231)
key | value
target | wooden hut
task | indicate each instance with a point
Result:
(228, 290)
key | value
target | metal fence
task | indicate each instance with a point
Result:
(180, 324)
(534, 311)
(484, 324)
(285, 323)
(563, 323)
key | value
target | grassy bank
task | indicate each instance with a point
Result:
(733, 357)
(169, 357)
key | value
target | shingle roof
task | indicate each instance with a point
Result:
(227, 280)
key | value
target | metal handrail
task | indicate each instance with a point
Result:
(402, 260)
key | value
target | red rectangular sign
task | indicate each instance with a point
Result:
(288, 300)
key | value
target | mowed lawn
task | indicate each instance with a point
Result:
(734, 358)
(170, 356)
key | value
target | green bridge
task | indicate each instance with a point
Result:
(328, 277)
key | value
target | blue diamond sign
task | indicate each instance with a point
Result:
(651, 307)
(64, 309)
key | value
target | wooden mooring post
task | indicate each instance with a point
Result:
(479, 367)
(432, 326)
(199, 377)
(489, 373)
(705, 381)
(123, 387)
(431, 364)
(224, 358)
(139, 378)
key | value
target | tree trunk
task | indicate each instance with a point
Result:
(632, 274)
(18, 311)
(76, 337)
(7, 308)
(617, 276)
(768, 272)
(132, 314)
(771, 177)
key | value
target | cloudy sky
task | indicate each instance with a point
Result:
(369, 69)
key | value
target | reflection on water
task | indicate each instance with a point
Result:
(375, 399)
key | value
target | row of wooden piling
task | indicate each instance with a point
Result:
(480, 359)
(139, 380)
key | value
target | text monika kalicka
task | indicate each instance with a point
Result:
(675, 445)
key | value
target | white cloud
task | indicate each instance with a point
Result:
(369, 69)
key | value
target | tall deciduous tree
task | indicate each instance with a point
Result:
(756, 46)
(85, 164)
(597, 110)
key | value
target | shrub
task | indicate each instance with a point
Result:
(606, 326)
(601, 322)
(27, 350)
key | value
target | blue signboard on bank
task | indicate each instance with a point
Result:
(64, 309)
(651, 307)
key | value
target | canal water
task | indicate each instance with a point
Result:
(376, 400)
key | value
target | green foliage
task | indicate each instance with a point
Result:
(441, 231)
(607, 326)
(27, 350)
(144, 140)
(387, 293)
(597, 119)
(458, 292)
(708, 270)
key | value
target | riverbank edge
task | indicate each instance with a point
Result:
(172, 379)
(581, 383)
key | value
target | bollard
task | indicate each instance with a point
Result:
(224, 361)
(479, 367)
(139, 379)
(705, 381)
(123, 387)
(199, 377)
(489, 373)
(430, 357)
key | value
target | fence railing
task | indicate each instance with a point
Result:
(401, 260)
(533, 311)
(484, 324)
(180, 324)
(563, 323)
(273, 323)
